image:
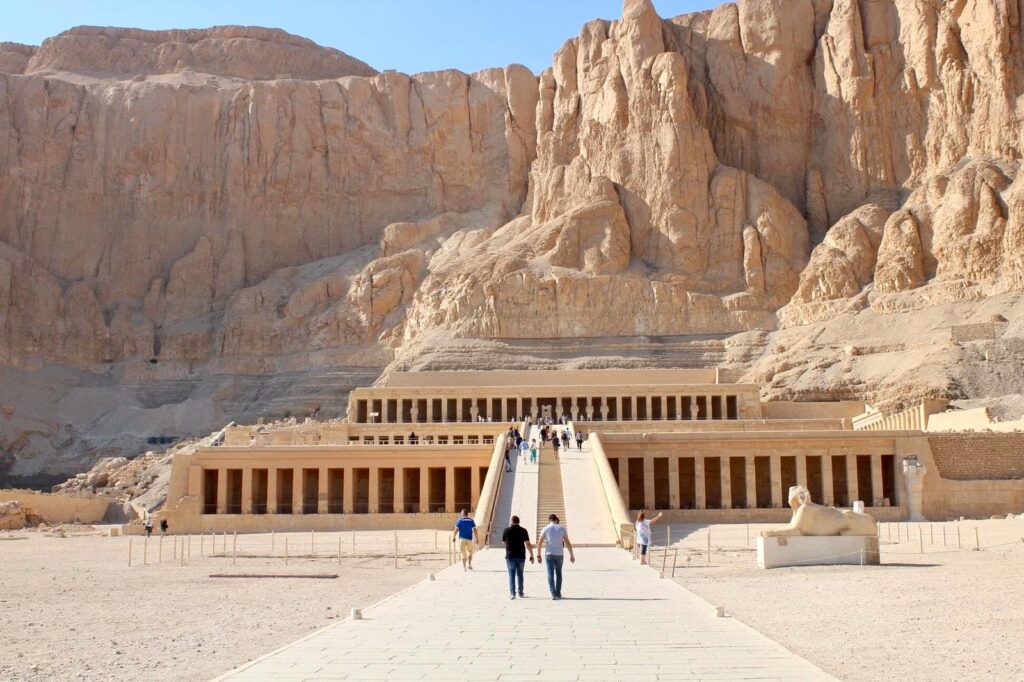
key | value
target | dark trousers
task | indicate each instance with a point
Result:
(515, 570)
(554, 562)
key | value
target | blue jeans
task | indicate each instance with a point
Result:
(554, 562)
(515, 569)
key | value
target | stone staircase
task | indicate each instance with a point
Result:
(550, 496)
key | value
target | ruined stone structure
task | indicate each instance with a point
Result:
(427, 444)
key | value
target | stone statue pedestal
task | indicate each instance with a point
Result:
(817, 550)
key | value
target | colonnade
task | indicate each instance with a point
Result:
(400, 410)
(750, 481)
(353, 489)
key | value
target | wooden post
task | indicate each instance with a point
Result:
(174, 553)
(977, 540)
(920, 538)
(958, 545)
(709, 545)
(285, 550)
(353, 542)
(664, 560)
(145, 551)
(312, 542)
(129, 550)
(189, 558)
(748, 534)
(271, 541)
(234, 548)
(675, 556)
(202, 536)
(339, 550)
(396, 549)
(435, 540)
(668, 536)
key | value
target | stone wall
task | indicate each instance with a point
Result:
(59, 508)
(986, 331)
(973, 456)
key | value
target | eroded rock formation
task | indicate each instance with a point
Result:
(192, 213)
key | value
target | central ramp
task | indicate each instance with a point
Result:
(584, 498)
(617, 621)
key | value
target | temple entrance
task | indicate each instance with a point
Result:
(545, 412)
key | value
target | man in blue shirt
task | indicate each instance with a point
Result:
(467, 537)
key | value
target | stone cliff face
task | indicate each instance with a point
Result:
(192, 211)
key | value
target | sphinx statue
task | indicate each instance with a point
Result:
(815, 519)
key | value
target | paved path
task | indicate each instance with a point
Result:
(517, 495)
(586, 506)
(618, 621)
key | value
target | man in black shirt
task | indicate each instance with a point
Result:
(517, 541)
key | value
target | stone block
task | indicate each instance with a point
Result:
(807, 550)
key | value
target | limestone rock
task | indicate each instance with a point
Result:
(245, 52)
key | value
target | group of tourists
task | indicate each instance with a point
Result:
(551, 549)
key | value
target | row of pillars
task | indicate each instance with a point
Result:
(651, 482)
(346, 490)
(618, 408)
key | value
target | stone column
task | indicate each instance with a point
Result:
(726, 483)
(399, 411)
(709, 413)
(673, 481)
(399, 500)
(222, 491)
(618, 407)
(827, 484)
(519, 409)
(424, 490)
(664, 409)
(649, 501)
(877, 487)
(247, 490)
(700, 497)
(776, 472)
(751, 475)
(801, 474)
(430, 409)
(624, 481)
(374, 490)
(348, 493)
(852, 485)
(474, 484)
(271, 490)
(458, 409)
(322, 491)
(449, 489)
(297, 490)
(604, 410)
(474, 411)
(694, 408)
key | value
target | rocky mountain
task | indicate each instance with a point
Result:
(217, 224)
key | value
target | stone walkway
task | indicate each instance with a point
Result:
(586, 507)
(618, 621)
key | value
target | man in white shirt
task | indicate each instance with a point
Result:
(556, 540)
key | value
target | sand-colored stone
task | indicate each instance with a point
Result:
(240, 202)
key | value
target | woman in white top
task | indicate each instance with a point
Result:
(643, 534)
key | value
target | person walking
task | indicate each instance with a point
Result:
(517, 541)
(148, 525)
(163, 526)
(579, 440)
(524, 449)
(508, 459)
(555, 537)
(565, 439)
(533, 452)
(643, 534)
(467, 536)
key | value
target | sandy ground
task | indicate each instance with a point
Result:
(71, 608)
(946, 614)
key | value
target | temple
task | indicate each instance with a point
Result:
(693, 443)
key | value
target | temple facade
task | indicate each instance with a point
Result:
(421, 446)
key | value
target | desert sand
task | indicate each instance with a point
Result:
(946, 614)
(75, 610)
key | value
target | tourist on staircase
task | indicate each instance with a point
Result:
(533, 452)
(517, 541)
(579, 440)
(556, 538)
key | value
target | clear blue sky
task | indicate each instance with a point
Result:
(408, 35)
